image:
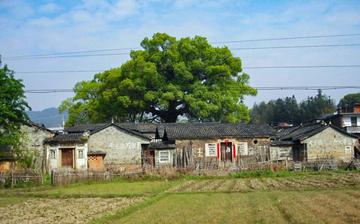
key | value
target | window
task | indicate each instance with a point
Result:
(347, 149)
(210, 149)
(52, 154)
(353, 121)
(164, 156)
(242, 148)
(80, 154)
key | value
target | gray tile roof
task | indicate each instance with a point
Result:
(187, 130)
(93, 128)
(85, 127)
(66, 138)
(214, 130)
(162, 145)
(305, 131)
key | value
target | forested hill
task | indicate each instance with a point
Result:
(50, 117)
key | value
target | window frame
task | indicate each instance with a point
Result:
(52, 154)
(353, 121)
(207, 150)
(168, 156)
(348, 149)
(82, 154)
(246, 148)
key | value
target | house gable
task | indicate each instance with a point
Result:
(330, 143)
(121, 147)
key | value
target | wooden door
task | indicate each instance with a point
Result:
(67, 157)
(226, 151)
(152, 157)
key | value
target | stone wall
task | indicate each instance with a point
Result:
(330, 144)
(258, 148)
(33, 142)
(123, 150)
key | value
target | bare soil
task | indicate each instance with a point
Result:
(73, 210)
(256, 184)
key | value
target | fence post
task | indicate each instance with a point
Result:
(52, 176)
(12, 178)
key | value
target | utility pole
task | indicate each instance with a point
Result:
(0, 60)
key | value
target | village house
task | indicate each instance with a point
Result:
(32, 146)
(347, 119)
(208, 144)
(96, 147)
(314, 141)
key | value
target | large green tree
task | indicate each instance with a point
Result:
(12, 108)
(348, 102)
(168, 78)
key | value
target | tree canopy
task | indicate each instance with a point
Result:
(168, 78)
(290, 111)
(12, 108)
(348, 102)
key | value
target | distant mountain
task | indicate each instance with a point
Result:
(50, 117)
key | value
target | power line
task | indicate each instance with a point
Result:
(287, 38)
(65, 54)
(302, 66)
(258, 88)
(296, 46)
(60, 71)
(68, 55)
(245, 67)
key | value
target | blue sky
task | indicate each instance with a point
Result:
(37, 27)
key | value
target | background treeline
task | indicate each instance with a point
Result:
(291, 111)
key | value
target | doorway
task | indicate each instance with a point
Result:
(67, 158)
(226, 151)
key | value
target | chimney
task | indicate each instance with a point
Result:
(357, 108)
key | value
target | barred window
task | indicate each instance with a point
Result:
(210, 149)
(242, 148)
(80, 154)
(52, 154)
(164, 156)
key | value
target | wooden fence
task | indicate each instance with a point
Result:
(20, 178)
(65, 177)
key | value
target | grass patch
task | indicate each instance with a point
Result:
(5, 201)
(119, 188)
(254, 207)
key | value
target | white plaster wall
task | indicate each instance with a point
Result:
(347, 120)
(81, 163)
(52, 163)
